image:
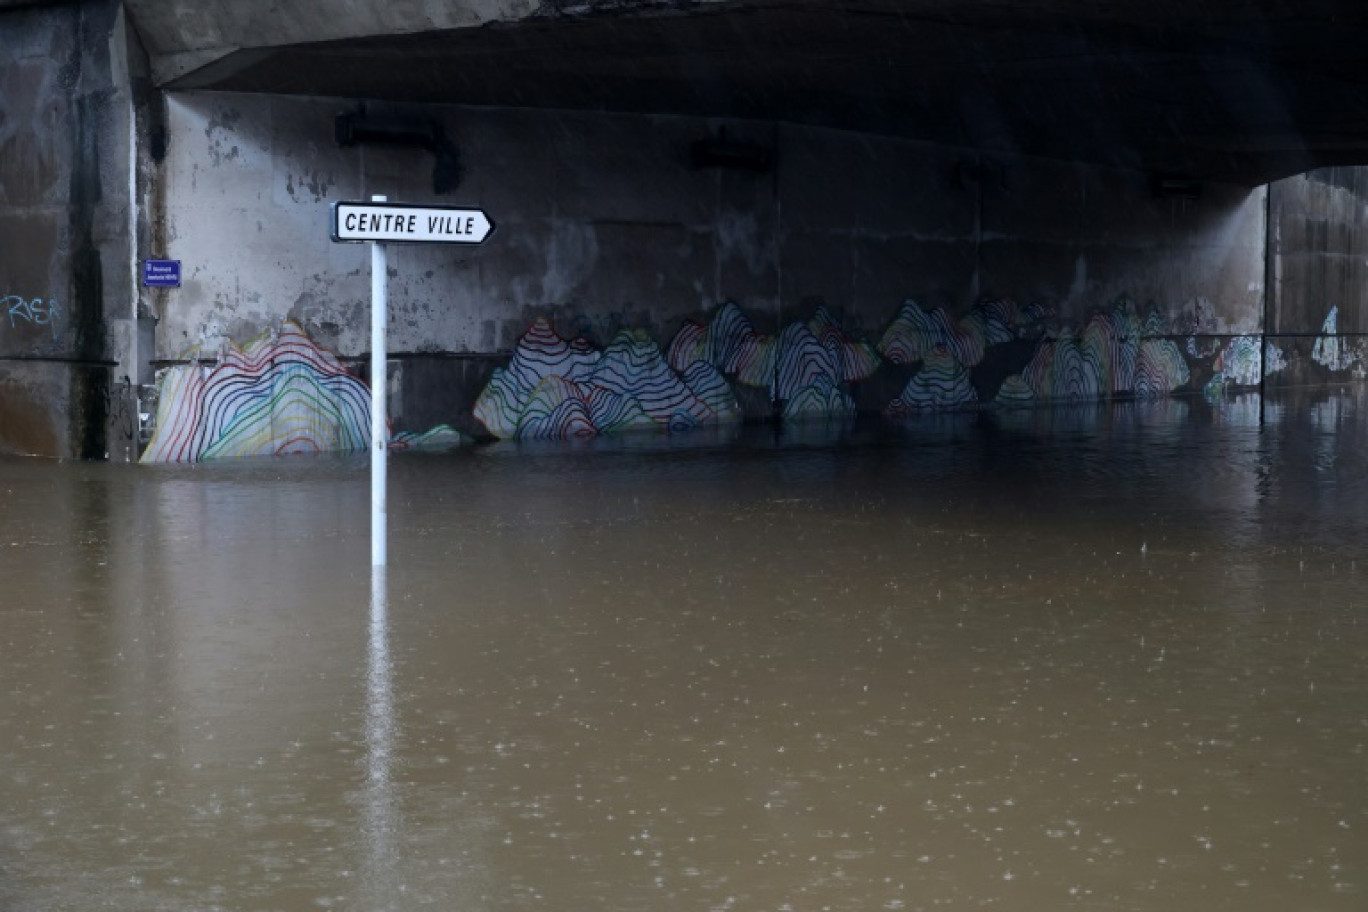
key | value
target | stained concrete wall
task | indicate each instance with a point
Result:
(868, 222)
(1318, 263)
(66, 271)
(603, 223)
(1319, 247)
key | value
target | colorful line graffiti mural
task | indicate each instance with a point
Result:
(1334, 352)
(278, 394)
(730, 344)
(554, 387)
(806, 367)
(809, 367)
(558, 388)
(1115, 354)
(942, 383)
(1326, 351)
(916, 333)
(633, 370)
(1241, 363)
(815, 364)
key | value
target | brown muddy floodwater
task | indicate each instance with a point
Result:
(1110, 658)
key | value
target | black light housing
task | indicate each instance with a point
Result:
(358, 128)
(1169, 186)
(722, 152)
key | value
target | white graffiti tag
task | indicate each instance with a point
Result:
(35, 311)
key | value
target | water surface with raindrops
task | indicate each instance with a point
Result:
(1106, 657)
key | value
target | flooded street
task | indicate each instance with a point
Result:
(1103, 658)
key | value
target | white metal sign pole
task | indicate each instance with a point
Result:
(375, 223)
(379, 382)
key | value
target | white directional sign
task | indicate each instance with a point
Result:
(381, 223)
(396, 223)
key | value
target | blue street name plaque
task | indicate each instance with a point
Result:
(161, 273)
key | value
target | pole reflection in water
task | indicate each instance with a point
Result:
(380, 816)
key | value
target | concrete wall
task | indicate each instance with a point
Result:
(1318, 268)
(603, 223)
(868, 222)
(1319, 237)
(66, 270)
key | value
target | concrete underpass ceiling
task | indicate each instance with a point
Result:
(1239, 90)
